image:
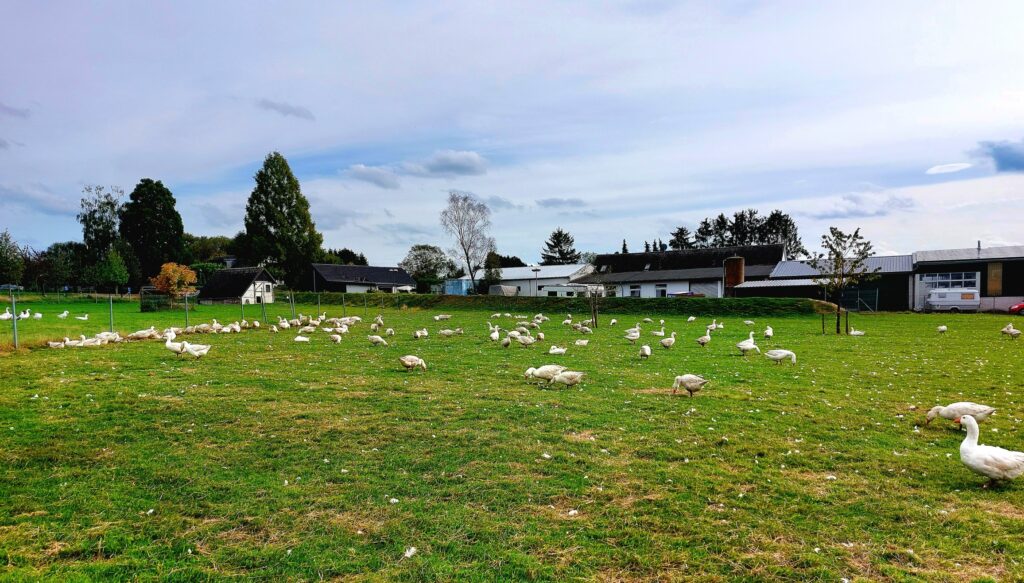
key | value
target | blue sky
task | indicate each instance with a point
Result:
(610, 119)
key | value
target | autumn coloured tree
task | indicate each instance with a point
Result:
(175, 280)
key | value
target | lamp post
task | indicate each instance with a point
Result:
(535, 271)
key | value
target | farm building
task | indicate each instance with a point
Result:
(889, 291)
(246, 285)
(528, 281)
(997, 272)
(685, 272)
(326, 277)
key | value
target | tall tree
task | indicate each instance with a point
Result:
(842, 265)
(427, 264)
(681, 239)
(704, 235)
(109, 272)
(203, 249)
(492, 273)
(721, 235)
(278, 226)
(65, 263)
(174, 280)
(150, 223)
(745, 228)
(508, 260)
(779, 228)
(100, 216)
(625, 249)
(559, 249)
(468, 219)
(647, 247)
(343, 256)
(12, 263)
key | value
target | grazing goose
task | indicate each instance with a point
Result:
(645, 352)
(941, 329)
(692, 319)
(336, 338)
(411, 362)
(647, 320)
(301, 338)
(855, 332)
(389, 332)
(525, 340)
(377, 340)
(557, 350)
(567, 378)
(255, 323)
(690, 382)
(748, 345)
(37, 316)
(506, 342)
(712, 326)
(953, 411)
(273, 328)
(417, 334)
(581, 342)
(307, 329)
(748, 322)
(196, 350)
(668, 342)
(449, 333)
(769, 332)
(25, 315)
(704, 340)
(995, 463)
(82, 318)
(613, 322)
(658, 332)
(779, 355)
(175, 347)
(632, 337)
(441, 317)
(546, 372)
(55, 344)
(495, 335)
(1010, 331)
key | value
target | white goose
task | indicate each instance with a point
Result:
(557, 350)
(411, 362)
(748, 345)
(769, 332)
(995, 463)
(546, 372)
(83, 317)
(63, 315)
(954, 411)
(196, 350)
(645, 352)
(941, 329)
(336, 338)
(377, 341)
(704, 340)
(632, 336)
(658, 332)
(301, 338)
(691, 319)
(55, 344)
(37, 316)
(856, 332)
(170, 344)
(567, 378)
(668, 342)
(748, 322)
(778, 355)
(712, 326)
(690, 382)
(581, 342)
(7, 315)
(613, 322)
(25, 315)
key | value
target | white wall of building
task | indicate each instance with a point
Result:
(529, 287)
(260, 291)
(651, 289)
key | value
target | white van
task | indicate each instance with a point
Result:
(955, 299)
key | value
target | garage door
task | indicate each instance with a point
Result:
(708, 288)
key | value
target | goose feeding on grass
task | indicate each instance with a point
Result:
(953, 411)
(495, 335)
(748, 322)
(632, 337)
(389, 332)
(645, 352)
(769, 332)
(196, 350)
(668, 342)
(779, 355)
(691, 383)
(525, 340)
(546, 372)
(647, 320)
(704, 340)
(411, 362)
(336, 338)
(506, 342)
(417, 334)
(273, 328)
(692, 319)
(377, 341)
(37, 316)
(995, 463)
(55, 344)
(82, 318)
(581, 342)
(613, 322)
(557, 350)
(567, 378)
(748, 345)
(301, 338)
(941, 329)
(856, 332)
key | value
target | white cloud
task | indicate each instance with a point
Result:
(377, 175)
(448, 163)
(948, 168)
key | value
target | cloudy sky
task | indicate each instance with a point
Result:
(610, 119)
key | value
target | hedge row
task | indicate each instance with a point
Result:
(619, 305)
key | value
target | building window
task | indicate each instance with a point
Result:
(647, 267)
(604, 268)
(661, 290)
(267, 287)
(569, 294)
(634, 291)
(953, 279)
(552, 294)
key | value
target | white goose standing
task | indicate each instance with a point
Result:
(995, 463)
(748, 345)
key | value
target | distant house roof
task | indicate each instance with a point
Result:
(233, 282)
(365, 274)
(672, 274)
(970, 254)
(777, 283)
(884, 264)
(688, 258)
(544, 271)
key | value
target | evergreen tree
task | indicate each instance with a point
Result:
(65, 263)
(647, 247)
(509, 261)
(343, 256)
(152, 226)
(624, 248)
(681, 239)
(720, 234)
(779, 228)
(278, 227)
(559, 249)
(100, 216)
(492, 274)
(704, 235)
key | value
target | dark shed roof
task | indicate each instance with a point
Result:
(233, 282)
(688, 258)
(671, 274)
(366, 274)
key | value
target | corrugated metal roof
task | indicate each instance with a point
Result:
(364, 274)
(778, 283)
(970, 254)
(546, 271)
(884, 264)
(672, 274)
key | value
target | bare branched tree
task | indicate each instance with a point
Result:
(468, 219)
(842, 265)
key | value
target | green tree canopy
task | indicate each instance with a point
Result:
(100, 216)
(428, 265)
(12, 264)
(150, 223)
(842, 265)
(278, 226)
(203, 249)
(559, 249)
(343, 256)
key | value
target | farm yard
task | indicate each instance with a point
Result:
(275, 459)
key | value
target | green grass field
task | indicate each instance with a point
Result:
(275, 460)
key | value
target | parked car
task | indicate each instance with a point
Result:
(954, 299)
(1017, 309)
